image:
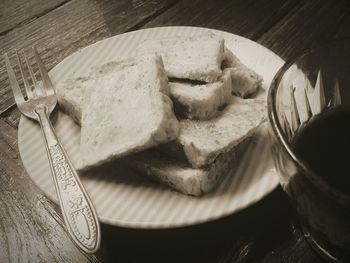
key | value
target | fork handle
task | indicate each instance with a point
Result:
(77, 209)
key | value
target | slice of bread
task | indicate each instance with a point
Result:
(200, 142)
(126, 110)
(245, 81)
(181, 176)
(70, 92)
(183, 56)
(69, 96)
(201, 102)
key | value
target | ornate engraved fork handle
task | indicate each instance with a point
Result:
(78, 212)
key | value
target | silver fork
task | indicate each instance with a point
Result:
(77, 209)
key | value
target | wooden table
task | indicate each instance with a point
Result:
(31, 227)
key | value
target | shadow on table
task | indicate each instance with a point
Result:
(263, 232)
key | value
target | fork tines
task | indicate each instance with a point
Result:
(13, 81)
(34, 87)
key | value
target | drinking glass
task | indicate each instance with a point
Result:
(302, 89)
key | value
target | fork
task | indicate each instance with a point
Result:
(77, 209)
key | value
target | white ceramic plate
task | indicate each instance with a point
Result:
(125, 199)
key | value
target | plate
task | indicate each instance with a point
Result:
(126, 199)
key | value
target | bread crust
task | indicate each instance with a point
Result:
(126, 110)
(183, 56)
(202, 101)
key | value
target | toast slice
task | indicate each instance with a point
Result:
(183, 56)
(69, 96)
(200, 142)
(180, 175)
(245, 81)
(70, 92)
(126, 110)
(201, 102)
(242, 159)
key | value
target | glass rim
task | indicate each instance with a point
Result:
(280, 135)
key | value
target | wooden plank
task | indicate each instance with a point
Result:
(30, 226)
(71, 27)
(19, 12)
(12, 117)
(248, 18)
(310, 23)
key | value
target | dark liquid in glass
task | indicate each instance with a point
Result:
(324, 144)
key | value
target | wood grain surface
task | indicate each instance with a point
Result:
(31, 228)
(308, 24)
(72, 26)
(17, 13)
(247, 18)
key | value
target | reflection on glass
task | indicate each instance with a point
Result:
(304, 93)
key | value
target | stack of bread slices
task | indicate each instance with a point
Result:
(177, 112)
